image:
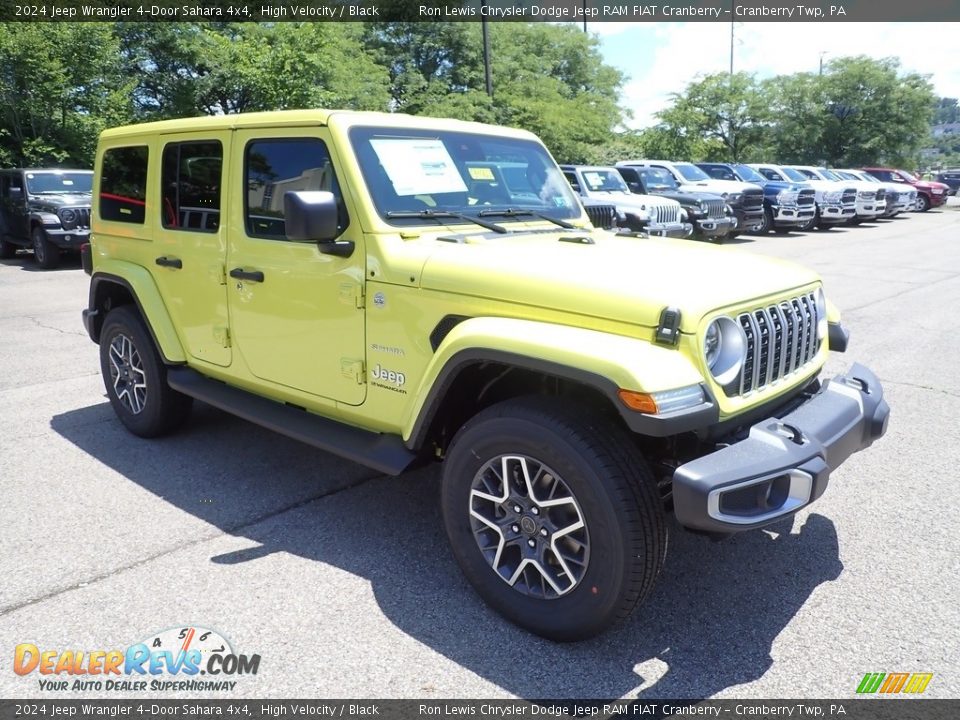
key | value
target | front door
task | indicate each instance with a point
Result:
(190, 244)
(296, 313)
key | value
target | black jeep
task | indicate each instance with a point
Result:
(46, 209)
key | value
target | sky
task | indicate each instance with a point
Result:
(661, 58)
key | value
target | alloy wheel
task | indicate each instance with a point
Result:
(127, 374)
(529, 526)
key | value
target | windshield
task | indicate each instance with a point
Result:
(749, 174)
(866, 176)
(59, 182)
(603, 180)
(657, 180)
(412, 171)
(843, 175)
(691, 172)
(828, 174)
(796, 175)
(909, 176)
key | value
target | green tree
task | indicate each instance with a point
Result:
(874, 113)
(729, 113)
(947, 111)
(60, 84)
(797, 103)
(193, 69)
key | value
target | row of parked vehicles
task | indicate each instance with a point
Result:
(48, 210)
(714, 201)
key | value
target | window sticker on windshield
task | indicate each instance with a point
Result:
(418, 166)
(594, 179)
(29, 176)
(67, 182)
(481, 173)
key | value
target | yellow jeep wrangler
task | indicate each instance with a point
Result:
(368, 283)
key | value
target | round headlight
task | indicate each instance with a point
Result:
(68, 216)
(711, 344)
(821, 304)
(724, 347)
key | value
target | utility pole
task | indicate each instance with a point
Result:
(732, 9)
(822, 53)
(584, 15)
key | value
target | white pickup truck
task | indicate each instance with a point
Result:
(901, 197)
(836, 202)
(871, 198)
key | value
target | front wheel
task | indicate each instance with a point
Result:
(767, 225)
(814, 221)
(923, 203)
(136, 378)
(45, 252)
(553, 516)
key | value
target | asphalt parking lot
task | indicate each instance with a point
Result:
(343, 583)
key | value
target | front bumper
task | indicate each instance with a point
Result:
(714, 227)
(748, 220)
(831, 213)
(675, 230)
(784, 463)
(67, 238)
(792, 214)
(868, 208)
(938, 200)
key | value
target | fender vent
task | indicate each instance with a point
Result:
(443, 329)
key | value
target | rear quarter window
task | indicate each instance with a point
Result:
(123, 184)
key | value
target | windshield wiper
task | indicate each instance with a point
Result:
(440, 214)
(517, 212)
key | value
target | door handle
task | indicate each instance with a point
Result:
(251, 275)
(169, 262)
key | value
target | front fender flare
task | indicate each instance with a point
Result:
(603, 361)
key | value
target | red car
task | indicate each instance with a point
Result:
(929, 194)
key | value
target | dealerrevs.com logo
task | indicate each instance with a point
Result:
(186, 659)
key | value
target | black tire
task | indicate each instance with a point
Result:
(923, 202)
(767, 224)
(161, 409)
(813, 222)
(45, 252)
(624, 538)
(855, 220)
(7, 249)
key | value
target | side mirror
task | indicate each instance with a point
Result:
(311, 216)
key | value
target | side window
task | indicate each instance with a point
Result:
(770, 174)
(13, 186)
(191, 180)
(274, 167)
(123, 184)
(572, 179)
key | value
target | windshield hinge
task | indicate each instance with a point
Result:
(352, 294)
(222, 336)
(351, 368)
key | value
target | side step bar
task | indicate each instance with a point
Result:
(385, 453)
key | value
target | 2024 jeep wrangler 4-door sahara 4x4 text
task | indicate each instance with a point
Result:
(345, 278)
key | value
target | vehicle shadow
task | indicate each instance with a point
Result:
(709, 624)
(24, 260)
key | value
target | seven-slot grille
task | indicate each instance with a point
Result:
(781, 339)
(602, 216)
(806, 198)
(716, 209)
(661, 214)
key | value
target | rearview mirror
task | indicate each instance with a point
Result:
(311, 216)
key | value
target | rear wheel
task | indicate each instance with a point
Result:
(553, 516)
(136, 378)
(45, 252)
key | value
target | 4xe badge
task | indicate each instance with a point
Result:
(184, 651)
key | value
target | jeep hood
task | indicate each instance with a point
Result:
(626, 279)
(60, 201)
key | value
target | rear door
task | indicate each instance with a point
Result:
(190, 240)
